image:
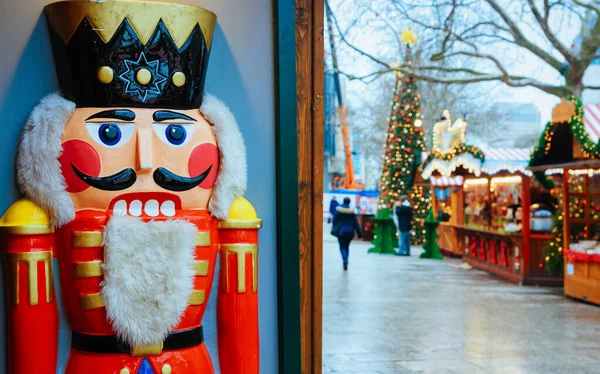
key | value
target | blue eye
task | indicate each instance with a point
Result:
(109, 133)
(175, 134)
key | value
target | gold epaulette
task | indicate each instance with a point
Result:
(241, 216)
(25, 218)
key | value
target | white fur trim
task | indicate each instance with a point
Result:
(232, 178)
(147, 276)
(38, 170)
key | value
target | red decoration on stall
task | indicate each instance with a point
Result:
(473, 246)
(493, 250)
(503, 254)
(573, 256)
(482, 253)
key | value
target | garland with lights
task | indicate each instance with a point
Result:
(553, 250)
(448, 156)
(464, 155)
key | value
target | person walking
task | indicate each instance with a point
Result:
(404, 214)
(345, 224)
(333, 204)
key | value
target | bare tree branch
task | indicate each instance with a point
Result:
(478, 77)
(475, 55)
(590, 43)
(337, 26)
(464, 34)
(521, 40)
(543, 23)
(589, 6)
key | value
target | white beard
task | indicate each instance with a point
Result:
(147, 276)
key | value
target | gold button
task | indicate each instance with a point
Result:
(105, 74)
(124, 371)
(178, 79)
(166, 369)
(143, 76)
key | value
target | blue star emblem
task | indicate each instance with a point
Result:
(143, 91)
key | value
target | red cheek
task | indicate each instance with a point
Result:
(202, 157)
(84, 157)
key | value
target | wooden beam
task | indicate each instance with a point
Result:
(310, 109)
(582, 164)
(318, 181)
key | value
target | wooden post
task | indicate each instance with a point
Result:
(525, 243)
(310, 108)
(566, 217)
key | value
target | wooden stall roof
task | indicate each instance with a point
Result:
(577, 164)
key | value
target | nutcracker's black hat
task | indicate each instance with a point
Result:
(131, 53)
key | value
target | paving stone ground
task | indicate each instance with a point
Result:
(390, 314)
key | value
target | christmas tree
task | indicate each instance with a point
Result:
(384, 233)
(431, 247)
(404, 143)
(402, 157)
(553, 250)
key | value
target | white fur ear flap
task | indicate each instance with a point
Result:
(38, 170)
(232, 178)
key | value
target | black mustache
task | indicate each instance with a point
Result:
(173, 182)
(116, 182)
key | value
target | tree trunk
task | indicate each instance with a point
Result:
(574, 83)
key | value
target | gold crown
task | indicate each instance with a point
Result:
(106, 16)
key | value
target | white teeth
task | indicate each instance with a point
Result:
(168, 208)
(120, 208)
(151, 208)
(135, 208)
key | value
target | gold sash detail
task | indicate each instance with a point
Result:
(200, 268)
(88, 269)
(91, 301)
(86, 239)
(197, 297)
(203, 239)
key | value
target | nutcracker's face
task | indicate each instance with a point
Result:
(140, 162)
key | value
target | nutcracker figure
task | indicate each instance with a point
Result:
(133, 182)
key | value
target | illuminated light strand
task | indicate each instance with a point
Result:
(475, 182)
(513, 179)
(589, 172)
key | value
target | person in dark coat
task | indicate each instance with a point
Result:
(404, 214)
(333, 204)
(345, 224)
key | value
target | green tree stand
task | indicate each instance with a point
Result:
(384, 233)
(431, 247)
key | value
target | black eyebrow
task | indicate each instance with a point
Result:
(166, 115)
(122, 114)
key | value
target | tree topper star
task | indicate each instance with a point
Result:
(408, 37)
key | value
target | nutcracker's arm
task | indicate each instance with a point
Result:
(237, 310)
(27, 250)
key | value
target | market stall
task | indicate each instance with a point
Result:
(507, 224)
(491, 211)
(446, 165)
(567, 160)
